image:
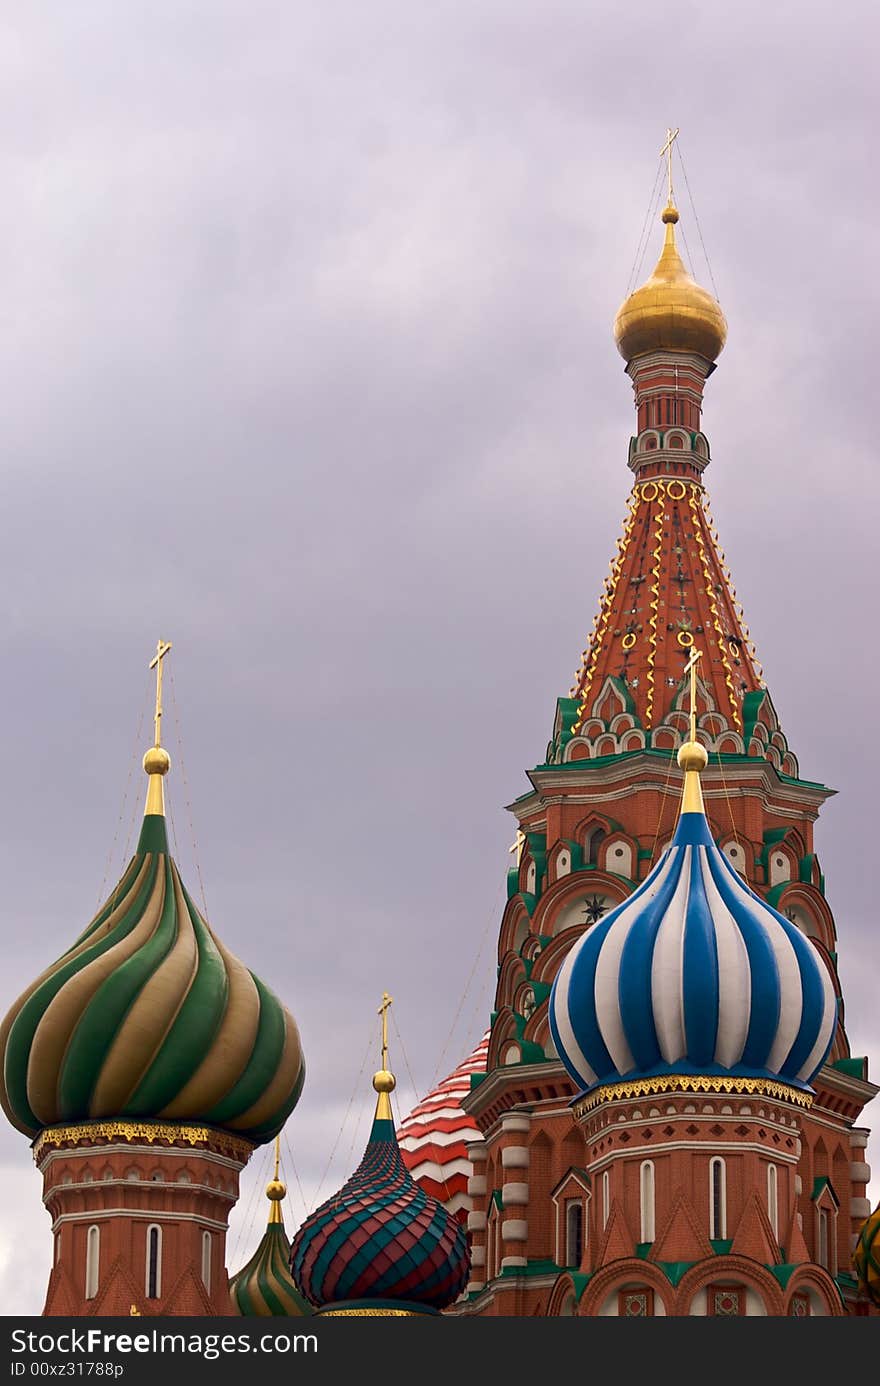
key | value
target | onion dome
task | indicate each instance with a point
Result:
(694, 974)
(866, 1257)
(381, 1244)
(435, 1136)
(265, 1287)
(670, 312)
(147, 1015)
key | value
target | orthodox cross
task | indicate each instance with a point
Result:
(277, 1154)
(383, 1012)
(156, 663)
(691, 668)
(671, 137)
(518, 845)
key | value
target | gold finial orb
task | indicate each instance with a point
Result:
(669, 215)
(275, 1190)
(157, 761)
(692, 756)
(384, 1081)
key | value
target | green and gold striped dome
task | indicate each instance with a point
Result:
(149, 1016)
(265, 1287)
(866, 1257)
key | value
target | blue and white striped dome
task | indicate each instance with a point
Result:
(693, 974)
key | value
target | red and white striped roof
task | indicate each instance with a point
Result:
(434, 1137)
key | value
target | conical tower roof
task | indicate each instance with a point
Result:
(148, 1015)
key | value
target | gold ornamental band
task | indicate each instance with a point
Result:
(150, 1131)
(677, 1082)
(360, 1313)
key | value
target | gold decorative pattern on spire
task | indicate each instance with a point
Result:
(384, 1081)
(157, 761)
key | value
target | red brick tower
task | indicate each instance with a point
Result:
(146, 1064)
(551, 1229)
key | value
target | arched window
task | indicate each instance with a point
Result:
(822, 1239)
(592, 842)
(574, 1231)
(773, 1199)
(646, 1192)
(206, 1260)
(154, 1262)
(93, 1255)
(606, 1197)
(717, 1200)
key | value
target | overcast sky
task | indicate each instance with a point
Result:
(306, 365)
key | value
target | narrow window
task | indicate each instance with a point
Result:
(647, 1201)
(606, 1197)
(574, 1232)
(93, 1252)
(822, 1239)
(154, 1262)
(717, 1201)
(773, 1199)
(206, 1260)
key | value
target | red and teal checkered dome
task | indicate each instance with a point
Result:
(381, 1238)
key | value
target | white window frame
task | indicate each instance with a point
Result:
(717, 1233)
(773, 1198)
(93, 1260)
(647, 1201)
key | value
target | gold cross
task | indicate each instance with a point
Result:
(383, 1012)
(671, 136)
(156, 663)
(518, 845)
(691, 668)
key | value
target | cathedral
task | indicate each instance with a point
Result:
(662, 1117)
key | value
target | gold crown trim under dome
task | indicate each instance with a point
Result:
(670, 312)
(149, 1131)
(678, 1082)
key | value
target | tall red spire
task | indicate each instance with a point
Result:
(669, 585)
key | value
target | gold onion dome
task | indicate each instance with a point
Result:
(670, 312)
(148, 1016)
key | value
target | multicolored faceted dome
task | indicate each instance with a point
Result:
(435, 1136)
(866, 1257)
(381, 1241)
(149, 1016)
(265, 1286)
(670, 312)
(693, 974)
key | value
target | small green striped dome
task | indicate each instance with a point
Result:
(265, 1286)
(147, 1015)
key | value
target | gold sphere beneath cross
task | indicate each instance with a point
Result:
(275, 1190)
(157, 761)
(692, 756)
(384, 1081)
